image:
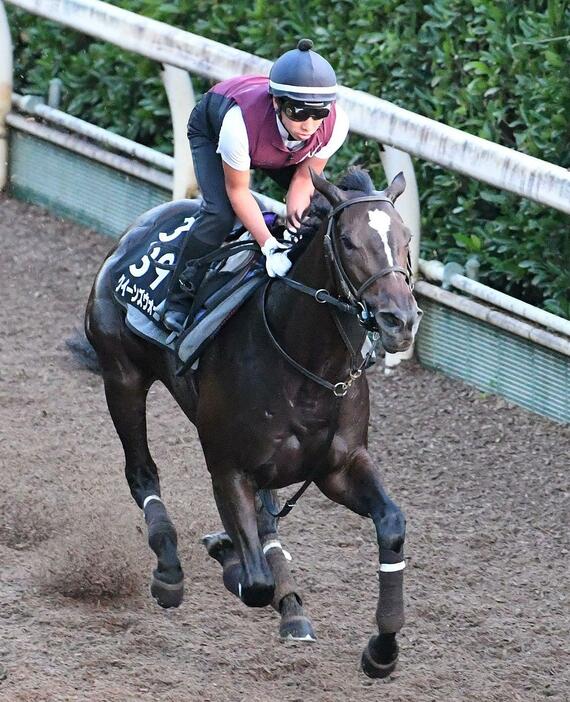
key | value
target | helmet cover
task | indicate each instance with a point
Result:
(303, 75)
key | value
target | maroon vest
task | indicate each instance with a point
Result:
(266, 147)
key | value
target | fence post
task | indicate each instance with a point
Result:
(408, 205)
(6, 74)
(180, 93)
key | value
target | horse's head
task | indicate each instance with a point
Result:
(368, 245)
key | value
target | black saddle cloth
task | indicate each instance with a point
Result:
(150, 248)
(142, 276)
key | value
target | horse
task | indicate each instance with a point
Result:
(279, 397)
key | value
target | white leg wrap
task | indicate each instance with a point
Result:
(149, 499)
(392, 567)
(276, 544)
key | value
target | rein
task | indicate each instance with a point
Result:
(355, 306)
(338, 389)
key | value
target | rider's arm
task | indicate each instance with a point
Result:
(246, 208)
(301, 189)
(244, 204)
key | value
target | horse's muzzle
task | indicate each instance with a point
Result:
(398, 327)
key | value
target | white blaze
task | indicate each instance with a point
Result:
(380, 221)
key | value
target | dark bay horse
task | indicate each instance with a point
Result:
(279, 397)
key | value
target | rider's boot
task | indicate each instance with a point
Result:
(187, 277)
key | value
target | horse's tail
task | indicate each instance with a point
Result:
(83, 352)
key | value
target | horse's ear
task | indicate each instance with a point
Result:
(333, 194)
(396, 187)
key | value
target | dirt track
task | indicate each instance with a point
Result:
(483, 485)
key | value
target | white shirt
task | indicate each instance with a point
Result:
(233, 144)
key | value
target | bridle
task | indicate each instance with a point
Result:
(353, 304)
(349, 289)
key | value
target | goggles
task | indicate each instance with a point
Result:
(303, 111)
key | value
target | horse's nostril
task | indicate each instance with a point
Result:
(390, 320)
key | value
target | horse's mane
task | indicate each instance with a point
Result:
(356, 179)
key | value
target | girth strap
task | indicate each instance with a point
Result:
(291, 502)
(318, 464)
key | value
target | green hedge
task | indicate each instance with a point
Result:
(498, 70)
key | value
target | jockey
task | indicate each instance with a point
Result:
(282, 125)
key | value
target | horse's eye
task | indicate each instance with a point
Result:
(347, 242)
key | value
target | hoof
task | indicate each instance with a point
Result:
(296, 628)
(216, 544)
(167, 594)
(377, 670)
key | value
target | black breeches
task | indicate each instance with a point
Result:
(216, 217)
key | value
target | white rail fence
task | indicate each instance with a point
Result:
(401, 132)
(370, 116)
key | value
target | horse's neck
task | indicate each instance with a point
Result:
(306, 327)
(312, 268)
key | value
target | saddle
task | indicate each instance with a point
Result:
(142, 276)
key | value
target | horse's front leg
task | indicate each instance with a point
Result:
(294, 624)
(358, 486)
(235, 498)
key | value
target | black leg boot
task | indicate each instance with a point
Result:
(187, 277)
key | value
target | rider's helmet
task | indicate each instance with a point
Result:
(303, 76)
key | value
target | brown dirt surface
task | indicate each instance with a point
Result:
(483, 485)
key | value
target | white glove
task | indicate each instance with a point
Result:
(277, 262)
(291, 236)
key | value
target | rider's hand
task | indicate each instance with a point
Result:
(277, 262)
(290, 236)
(295, 219)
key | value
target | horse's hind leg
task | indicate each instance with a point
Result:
(126, 389)
(358, 486)
(294, 625)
